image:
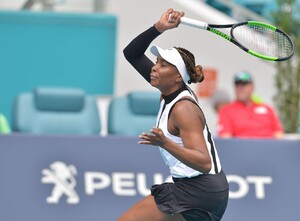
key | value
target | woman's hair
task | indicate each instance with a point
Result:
(195, 72)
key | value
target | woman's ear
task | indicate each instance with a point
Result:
(178, 78)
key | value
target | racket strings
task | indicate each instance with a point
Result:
(263, 40)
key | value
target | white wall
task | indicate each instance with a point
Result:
(211, 51)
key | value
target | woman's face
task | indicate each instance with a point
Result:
(164, 75)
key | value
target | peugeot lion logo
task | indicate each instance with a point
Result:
(63, 178)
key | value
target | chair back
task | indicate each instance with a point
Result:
(56, 110)
(133, 114)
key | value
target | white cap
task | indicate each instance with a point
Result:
(172, 56)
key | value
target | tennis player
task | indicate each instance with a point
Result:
(200, 189)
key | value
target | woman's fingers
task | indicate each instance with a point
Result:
(175, 16)
(157, 132)
(144, 142)
(146, 136)
(153, 138)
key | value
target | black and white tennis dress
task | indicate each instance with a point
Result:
(197, 196)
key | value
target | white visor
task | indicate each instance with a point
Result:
(172, 56)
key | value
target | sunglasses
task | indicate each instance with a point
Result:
(242, 82)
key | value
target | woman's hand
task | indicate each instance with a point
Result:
(157, 138)
(170, 19)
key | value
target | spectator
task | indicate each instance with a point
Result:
(4, 126)
(246, 118)
(219, 99)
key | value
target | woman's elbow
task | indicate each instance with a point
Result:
(206, 168)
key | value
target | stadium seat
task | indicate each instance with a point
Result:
(221, 7)
(55, 110)
(133, 114)
(256, 6)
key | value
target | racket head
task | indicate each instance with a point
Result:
(263, 40)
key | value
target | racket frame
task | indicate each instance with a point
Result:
(213, 28)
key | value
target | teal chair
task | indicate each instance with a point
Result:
(55, 110)
(133, 114)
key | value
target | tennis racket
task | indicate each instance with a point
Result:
(256, 38)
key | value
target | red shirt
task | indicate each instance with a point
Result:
(253, 121)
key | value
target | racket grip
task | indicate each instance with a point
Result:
(193, 23)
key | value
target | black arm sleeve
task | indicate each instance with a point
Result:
(135, 52)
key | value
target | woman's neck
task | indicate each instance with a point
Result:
(170, 96)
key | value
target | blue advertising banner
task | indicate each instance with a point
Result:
(93, 178)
